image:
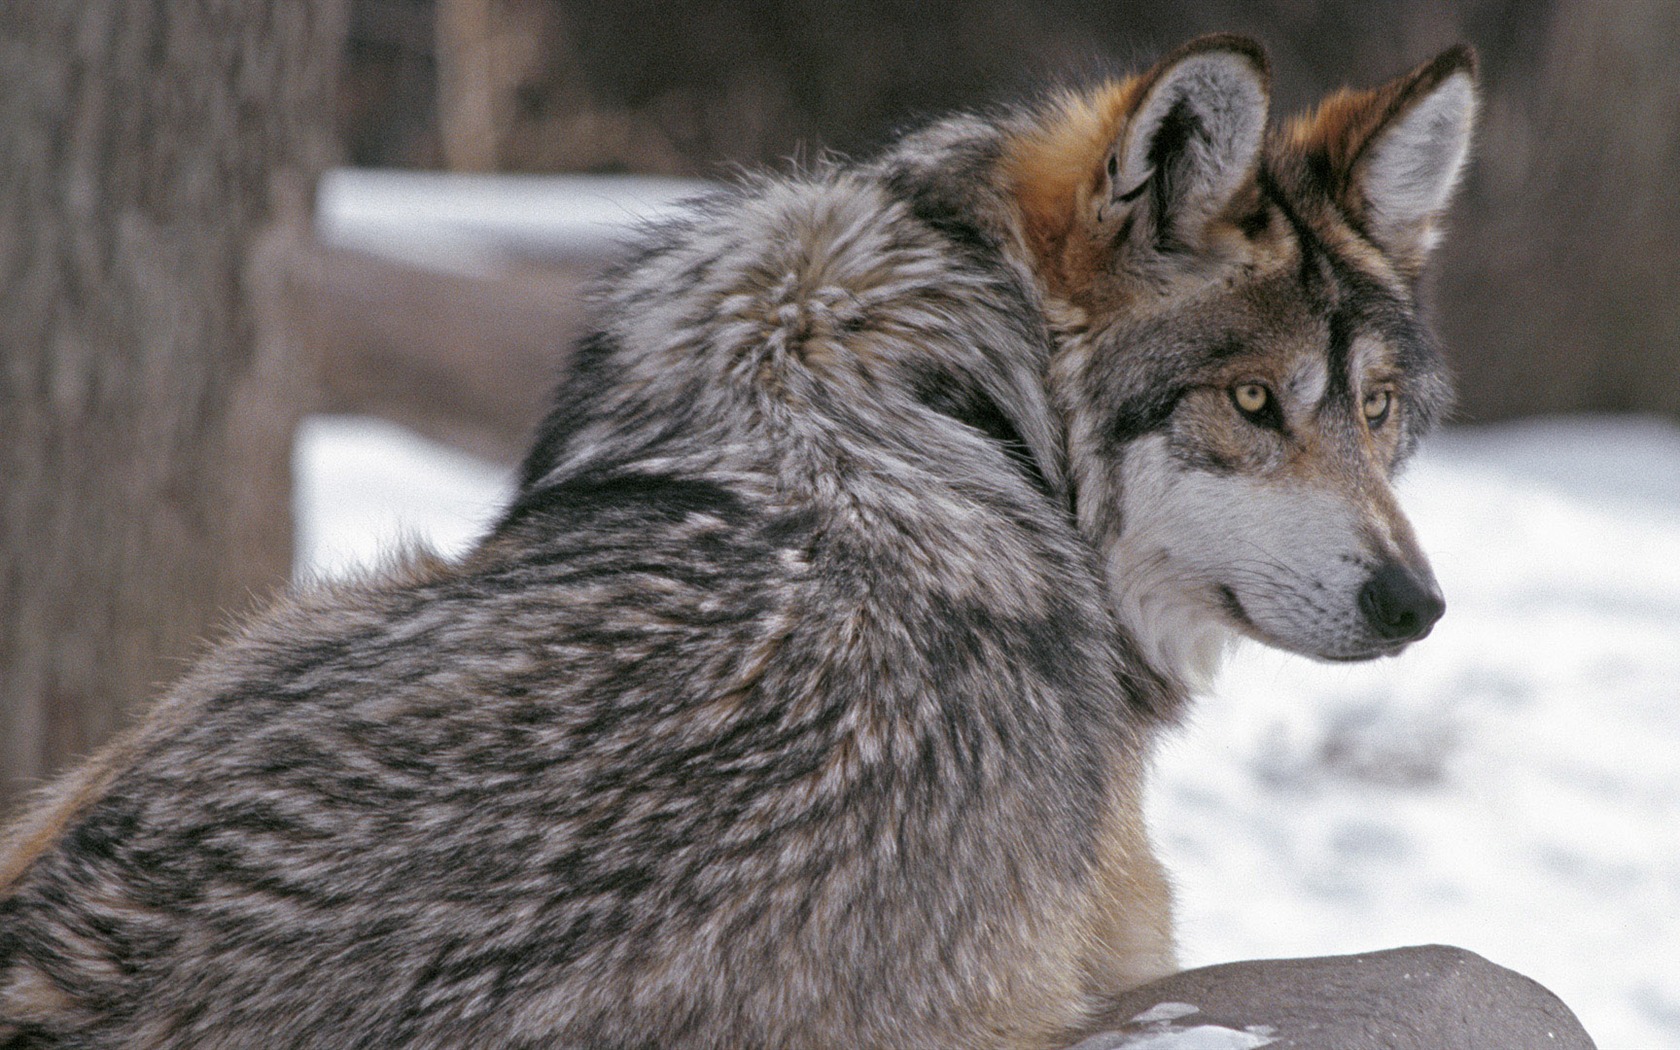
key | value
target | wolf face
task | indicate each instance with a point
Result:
(1241, 365)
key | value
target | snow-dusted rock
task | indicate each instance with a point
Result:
(1425, 998)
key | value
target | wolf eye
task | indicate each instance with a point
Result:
(1251, 398)
(1376, 406)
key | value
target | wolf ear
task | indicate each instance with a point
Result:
(1191, 142)
(1407, 157)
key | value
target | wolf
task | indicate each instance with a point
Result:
(804, 694)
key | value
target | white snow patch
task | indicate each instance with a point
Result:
(470, 223)
(1201, 1037)
(1163, 1035)
(1164, 1012)
(364, 488)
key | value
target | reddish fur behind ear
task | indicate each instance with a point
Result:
(1056, 168)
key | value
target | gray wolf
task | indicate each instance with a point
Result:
(803, 696)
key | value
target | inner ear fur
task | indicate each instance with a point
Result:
(1398, 151)
(1191, 142)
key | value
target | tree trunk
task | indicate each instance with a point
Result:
(468, 94)
(156, 159)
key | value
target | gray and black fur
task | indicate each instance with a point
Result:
(788, 704)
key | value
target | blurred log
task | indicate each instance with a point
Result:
(1424, 998)
(467, 360)
(467, 89)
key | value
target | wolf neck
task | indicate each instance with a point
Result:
(1173, 633)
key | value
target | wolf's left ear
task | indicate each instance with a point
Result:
(1402, 169)
(1192, 141)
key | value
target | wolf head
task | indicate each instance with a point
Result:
(1241, 365)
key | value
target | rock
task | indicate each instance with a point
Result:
(1423, 998)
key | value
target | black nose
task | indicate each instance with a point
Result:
(1400, 604)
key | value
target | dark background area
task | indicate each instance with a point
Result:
(1558, 289)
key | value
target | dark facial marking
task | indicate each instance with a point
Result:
(1338, 354)
(1143, 414)
(1225, 349)
(1354, 300)
(1312, 249)
(1256, 222)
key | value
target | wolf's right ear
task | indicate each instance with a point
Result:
(1406, 170)
(1396, 152)
(1191, 142)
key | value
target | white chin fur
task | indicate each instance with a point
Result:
(1154, 595)
(1180, 637)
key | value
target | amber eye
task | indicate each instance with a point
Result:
(1251, 397)
(1376, 406)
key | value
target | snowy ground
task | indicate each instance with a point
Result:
(1512, 785)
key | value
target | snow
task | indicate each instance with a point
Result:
(365, 488)
(1201, 1037)
(470, 223)
(1168, 1037)
(1510, 785)
(1161, 1033)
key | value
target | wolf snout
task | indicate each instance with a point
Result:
(1401, 604)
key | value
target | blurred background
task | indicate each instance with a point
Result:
(1557, 289)
(227, 224)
